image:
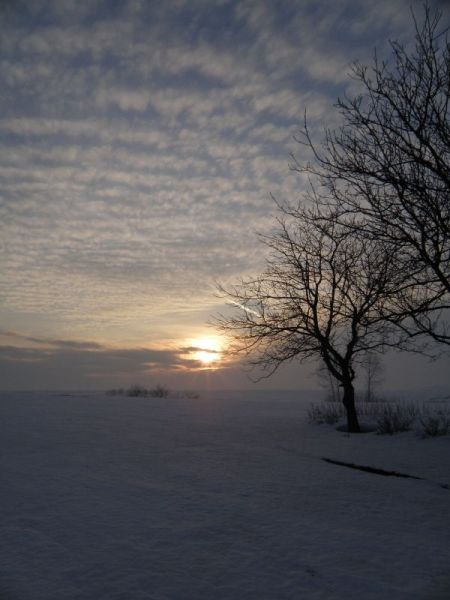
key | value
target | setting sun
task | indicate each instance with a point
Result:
(208, 349)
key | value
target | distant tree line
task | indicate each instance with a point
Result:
(137, 390)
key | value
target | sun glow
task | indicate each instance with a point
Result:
(207, 350)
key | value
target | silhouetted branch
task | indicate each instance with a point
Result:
(386, 171)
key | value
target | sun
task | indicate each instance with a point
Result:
(207, 350)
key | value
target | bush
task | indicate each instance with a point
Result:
(372, 408)
(116, 392)
(158, 392)
(435, 424)
(395, 418)
(328, 413)
(136, 390)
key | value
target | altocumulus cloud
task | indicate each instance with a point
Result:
(139, 142)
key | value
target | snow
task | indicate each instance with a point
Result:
(222, 497)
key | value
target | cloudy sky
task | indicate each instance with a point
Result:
(140, 142)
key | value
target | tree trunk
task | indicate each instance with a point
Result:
(349, 403)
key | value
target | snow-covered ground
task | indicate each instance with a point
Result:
(226, 496)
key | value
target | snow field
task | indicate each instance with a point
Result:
(224, 497)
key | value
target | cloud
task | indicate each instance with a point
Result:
(31, 362)
(193, 349)
(48, 342)
(140, 143)
(125, 99)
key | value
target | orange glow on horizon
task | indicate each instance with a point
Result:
(208, 350)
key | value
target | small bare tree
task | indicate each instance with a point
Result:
(373, 371)
(390, 164)
(323, 295)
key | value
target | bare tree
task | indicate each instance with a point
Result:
(323, 295)
(390, 163)
(373, 371)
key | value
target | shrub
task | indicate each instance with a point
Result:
(115, 392)
(395, 418)
(435, 424)
(158, 392)
(328, 413)
(136, 390)
(372, 408)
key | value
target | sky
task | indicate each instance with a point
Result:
(140, 143)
